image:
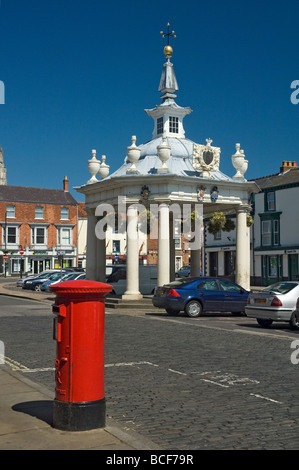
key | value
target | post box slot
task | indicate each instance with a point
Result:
(59, 309)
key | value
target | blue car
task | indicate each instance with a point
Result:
(184, 271)
(195, 295)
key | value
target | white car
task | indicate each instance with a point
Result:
(276, 302)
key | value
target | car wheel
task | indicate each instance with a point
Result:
(172, 311)
(265, 322)
(294, 321)
(37, 288)
(193, 309)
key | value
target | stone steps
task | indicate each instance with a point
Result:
(142, 304)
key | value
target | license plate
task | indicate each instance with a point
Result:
(260, 301)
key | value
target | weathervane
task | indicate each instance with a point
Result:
(168, 49)
(168, 34)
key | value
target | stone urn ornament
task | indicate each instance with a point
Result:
(93, 167)
(104, 169)
(239, 162)
(163, 153)
(133, 154)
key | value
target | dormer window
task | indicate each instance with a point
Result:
(160, 125)
(173, 124)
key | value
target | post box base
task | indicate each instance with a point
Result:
(79, 416)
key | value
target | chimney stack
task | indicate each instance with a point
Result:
(287, 166)
(65, 184)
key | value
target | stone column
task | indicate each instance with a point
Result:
(132, 292)
(172, 249)
(243, 248)
(91, 249)
(101, 260)
(163, 245)
(195, 262)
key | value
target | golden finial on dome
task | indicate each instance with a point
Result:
(168, 49)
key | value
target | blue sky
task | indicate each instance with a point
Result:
(78, 75)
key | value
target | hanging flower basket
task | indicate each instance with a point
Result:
(191, 223)
(216, 222)
(249, 220)
(229, 225)
(146, 221)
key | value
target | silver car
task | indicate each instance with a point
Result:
(276, 302)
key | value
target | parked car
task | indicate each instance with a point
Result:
(66, 277)
(148, 274)
(276, 302)
(195, 295)
(74, 269)
(184, 271)
(35, 282)
(54, 279)
(20, 282)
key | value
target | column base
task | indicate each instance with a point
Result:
(132, 296)
(79, 416)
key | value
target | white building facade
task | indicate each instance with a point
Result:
(274, 239)
(169, 170)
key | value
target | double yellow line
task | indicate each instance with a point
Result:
(15, 365)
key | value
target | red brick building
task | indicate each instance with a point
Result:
(36, 226)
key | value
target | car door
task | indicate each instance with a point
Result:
(211, 295)
(234, 298)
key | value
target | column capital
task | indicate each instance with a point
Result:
(243, 208)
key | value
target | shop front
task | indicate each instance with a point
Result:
(16, 264)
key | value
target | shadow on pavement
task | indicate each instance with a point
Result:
(41, 409)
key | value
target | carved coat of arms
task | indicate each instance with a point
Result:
(214, 194)
(201, 193)
(145, 192)
(206, 158)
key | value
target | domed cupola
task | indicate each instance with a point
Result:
(168, 116)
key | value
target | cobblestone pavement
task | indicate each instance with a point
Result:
(189, 387)
(186, 384)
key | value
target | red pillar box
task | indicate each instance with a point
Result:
(79, 326)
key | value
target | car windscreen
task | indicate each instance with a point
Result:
(53, 276)
(281, 287)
